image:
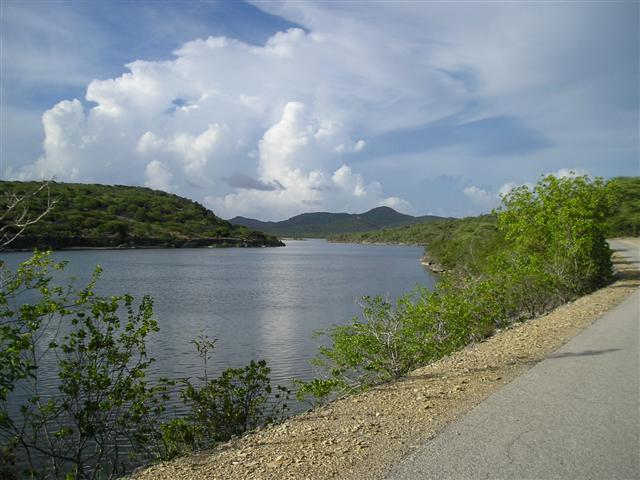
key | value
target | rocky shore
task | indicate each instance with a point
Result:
(360, 437)
(431, 265)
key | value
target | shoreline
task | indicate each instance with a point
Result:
(433, 267)
(187, 244)
(361, 436)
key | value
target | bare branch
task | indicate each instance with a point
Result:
(16, 216)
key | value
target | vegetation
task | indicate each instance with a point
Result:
(542, 247)
(101, 360)
(453, 243)
(105, 416)
(16, 216)
(546, 246)
(102, 416)
(465, 243)
(625, 220)
(323, 224)
(239, 400)
(117, 216)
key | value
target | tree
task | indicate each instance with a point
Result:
(102, 416)
(103, 400)
(559, 228)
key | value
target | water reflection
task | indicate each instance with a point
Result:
(259, 303)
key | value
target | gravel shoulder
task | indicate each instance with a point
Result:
(360, 437)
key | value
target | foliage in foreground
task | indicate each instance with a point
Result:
(547, 245)
(103, 416)
(550, 247)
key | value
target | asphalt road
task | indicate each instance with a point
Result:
(575, 415)
(628, 248)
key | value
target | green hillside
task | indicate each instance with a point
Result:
(463, 243)
(453, 243)
(122, 216)
(323, 224)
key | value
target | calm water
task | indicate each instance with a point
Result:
(259, 303)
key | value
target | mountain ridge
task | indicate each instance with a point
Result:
(323, 224)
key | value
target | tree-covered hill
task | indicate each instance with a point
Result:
(323, 224)
(453, 242)
(122, 216)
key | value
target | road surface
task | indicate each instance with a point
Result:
(575, 415)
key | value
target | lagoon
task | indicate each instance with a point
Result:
(260, 303)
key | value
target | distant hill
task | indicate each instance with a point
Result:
(451, 242)
(93, 216)
(323, 224)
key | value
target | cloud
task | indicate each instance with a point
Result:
(201, 118)
(316, 117)
(194, 151)
(157, 176)
(395, 203)
(481, 197)
(241, 181)
(294, 154)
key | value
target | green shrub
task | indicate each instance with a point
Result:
(103, 399)
(559, 228)
(550, 247)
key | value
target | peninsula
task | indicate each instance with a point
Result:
(118, 216)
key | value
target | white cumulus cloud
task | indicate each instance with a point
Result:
(297, 153)
(316, 117)
(396, 203)
(157, 176)
(481, 197)
(192, 123)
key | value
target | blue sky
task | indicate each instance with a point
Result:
(276, 108)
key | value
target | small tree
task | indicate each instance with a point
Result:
(102, 401)
(387, 342)
(101, 413)
(237, 401)
(559, 229)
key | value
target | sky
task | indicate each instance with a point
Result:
(274, 108)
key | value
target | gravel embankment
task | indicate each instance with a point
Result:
(361, 436)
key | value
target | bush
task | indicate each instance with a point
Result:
(386, 343)
(550, 247)
(237, 401)
(98, 344)
(105, 417)
(560, 227)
